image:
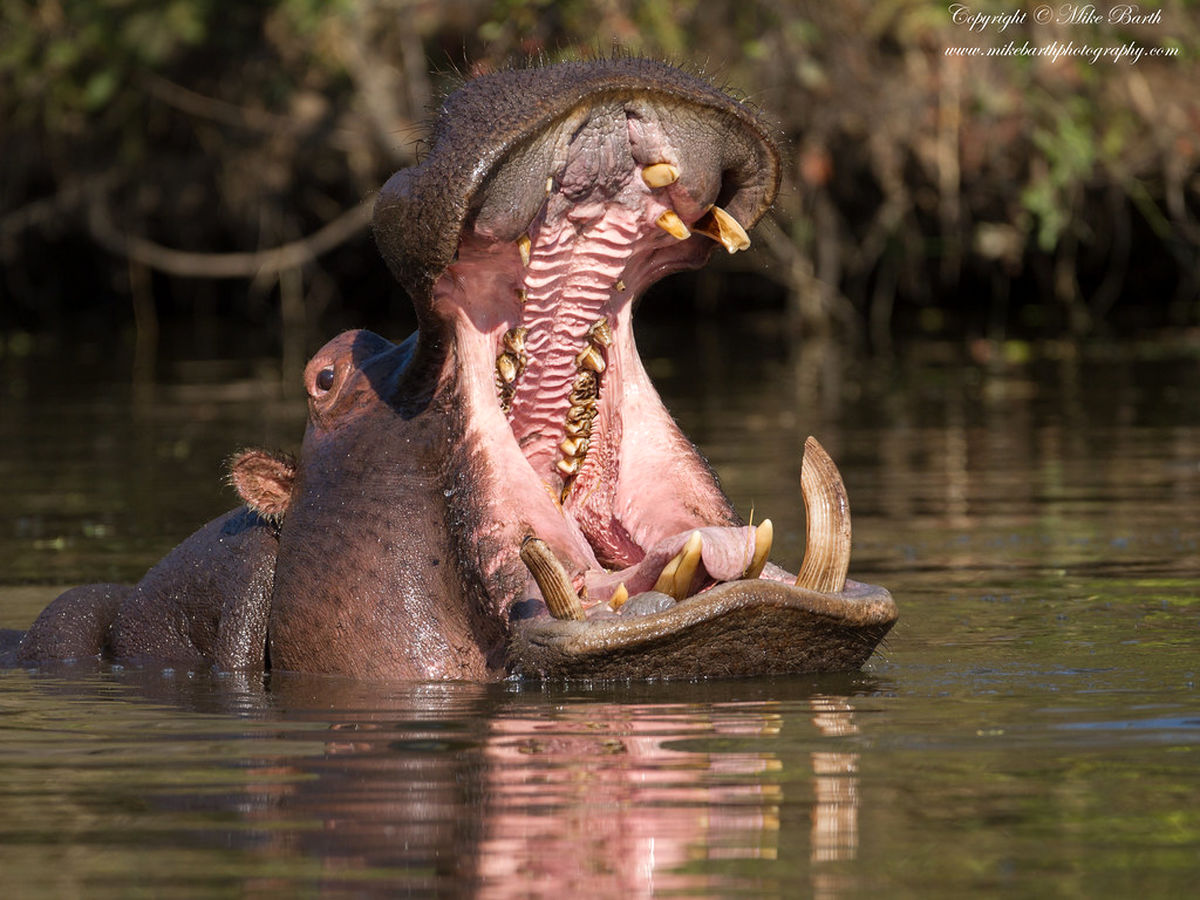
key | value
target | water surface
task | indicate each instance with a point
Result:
(1032, 726)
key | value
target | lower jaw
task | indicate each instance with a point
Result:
(700, 560)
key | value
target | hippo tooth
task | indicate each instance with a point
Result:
(827, 532)
(676, 576)
(723, 228)
(567, 467)
(660, 175)
(589, 358)
(506, 367)
(525, 245)
(552, 580)
(618, 598)
(600, 333)
(670, 222)
(514, 339)
(764, 536)
(571, 446)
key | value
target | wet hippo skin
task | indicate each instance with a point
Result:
(504, 492)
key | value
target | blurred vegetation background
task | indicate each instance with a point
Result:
(168, 164)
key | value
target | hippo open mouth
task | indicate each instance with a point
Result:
(621, 174)
(504, 492)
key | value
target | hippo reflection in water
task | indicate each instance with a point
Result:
(504, 491)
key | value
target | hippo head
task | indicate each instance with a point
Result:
(504, 491)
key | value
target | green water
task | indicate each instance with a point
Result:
(1031, 728)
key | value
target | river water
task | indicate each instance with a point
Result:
(1030, 728)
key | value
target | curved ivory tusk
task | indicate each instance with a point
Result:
(552, 579)
(827, 553)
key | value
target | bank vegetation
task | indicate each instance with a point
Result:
(167, 161)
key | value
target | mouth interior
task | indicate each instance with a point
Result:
(585, 451)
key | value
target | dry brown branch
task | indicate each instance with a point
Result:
(257, 264)
(47, 209)
(216, 110)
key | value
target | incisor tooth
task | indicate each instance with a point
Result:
(827, 531)
(764, 536)
(589, 358)
(676, 577)
(552, 580)
(723, 228)
(618, 598)
(670, 222)
(525, 245)
(660, 175)
(688, 565)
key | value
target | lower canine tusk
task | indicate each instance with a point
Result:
(552, 579)
(827, 554)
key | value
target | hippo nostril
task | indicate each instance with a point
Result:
(325, 379)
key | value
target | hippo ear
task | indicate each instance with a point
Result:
(264, 479)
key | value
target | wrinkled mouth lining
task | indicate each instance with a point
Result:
(562, 352)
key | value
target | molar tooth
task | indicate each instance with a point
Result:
(589, 358)
(723, 228)
(764, 535)
(618, 598)
(600, 333)
(670, 222)
(827, 531)
(567, 467)
(569, 447)
(514, 339)
(552, 580)
(660, 175)
(525, 245)
(506, 367)
(676, 577)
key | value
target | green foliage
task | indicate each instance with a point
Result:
(899, 156)
(63, 60)
(1068, 158)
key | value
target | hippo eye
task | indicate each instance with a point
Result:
(325, 379)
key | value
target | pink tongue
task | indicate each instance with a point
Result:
(726, 553)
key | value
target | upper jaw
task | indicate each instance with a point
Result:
(495, 141)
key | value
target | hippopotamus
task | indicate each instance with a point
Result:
(504, 493)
